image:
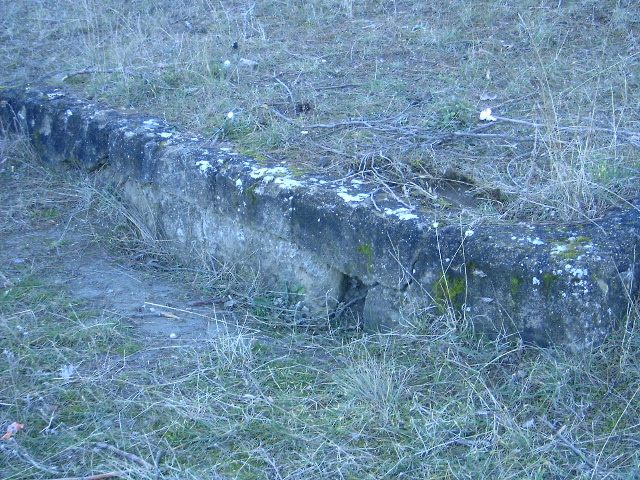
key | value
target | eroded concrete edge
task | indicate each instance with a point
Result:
(342, 241)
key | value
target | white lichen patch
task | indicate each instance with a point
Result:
(45, 129)
(287, 183)
(268, 172)
(151, 123)
(54, 95)
(576, 272)
(166, 134)
(558, 249)
(402, 213)
(536, 281)
(68, 113)
(280, 176)
(347, 197)
(239, 184)
(535, 241)
(204, 165)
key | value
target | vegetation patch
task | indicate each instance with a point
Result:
(449, 292)
(394, 95)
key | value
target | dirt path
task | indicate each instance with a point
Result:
(47, 232)
(158, 307)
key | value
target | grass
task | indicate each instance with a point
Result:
(273, 399)
(389, 91)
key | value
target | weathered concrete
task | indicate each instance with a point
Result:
(343, 241)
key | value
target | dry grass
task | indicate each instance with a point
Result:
(271, 400)
(390, 91)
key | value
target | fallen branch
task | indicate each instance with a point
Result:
(99, 476)
(12, 448)
(126, 455)
(126, 70)
(570, 128)
(567, 443)
(337, 87)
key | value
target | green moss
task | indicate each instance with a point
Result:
(35, 138)
(571, 248)
(548, 279)
(514, 285)
(448, 291)
(251, 193)
(252, 153)
(72, 160)
(366, 251)
(443, 203)
(297, 171)
(47, 213)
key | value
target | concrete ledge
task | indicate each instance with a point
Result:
(342, 241)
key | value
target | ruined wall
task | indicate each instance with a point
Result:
(344, 242)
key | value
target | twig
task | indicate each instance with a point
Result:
(281, 115)
(126, 455)
(342, 308)
(573, 128)
(128, 71)
(98, 476)
(12, 447)
(291, 97)
(184, 311)
(383, 181)
(567, 443)
(92, 71)
(337, 87)
(348, 123)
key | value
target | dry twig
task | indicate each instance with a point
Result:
(126, 455)
(98, 476)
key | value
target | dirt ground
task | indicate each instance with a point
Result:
(64, 251)
(160, 309)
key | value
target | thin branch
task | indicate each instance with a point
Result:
(286, 87)
(337, 87)
(361, 123)
(127, 70)
(567, 443)
(282, 116)
(126, 455)
(99, 476)
(570, 128)
(347, 123)
(13, 448)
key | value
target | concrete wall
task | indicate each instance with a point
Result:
(343, 241)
